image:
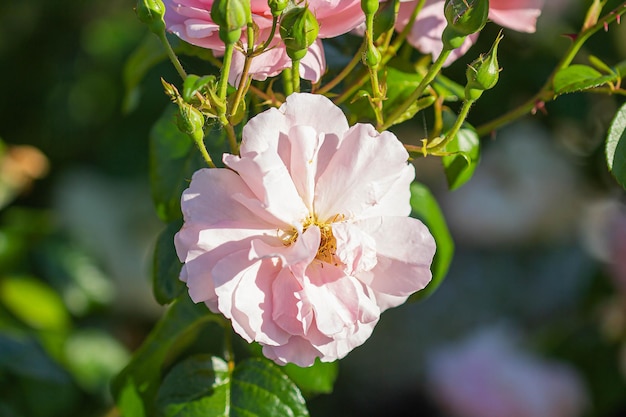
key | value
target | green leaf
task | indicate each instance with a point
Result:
(32, 381)
(166, 284)
(34, 303)
(198, 386)
(140, 378)
(203, 386)
(426, 209)
(465, 153)
(616, 146)
(400, 84)
(579, 77)
(316, 379)
(149, 53)
(173, 160)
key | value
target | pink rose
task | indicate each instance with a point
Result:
(306, 238)
(191, 21)
(489, 376)
(425, 34)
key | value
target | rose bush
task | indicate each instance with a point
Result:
(306, 238)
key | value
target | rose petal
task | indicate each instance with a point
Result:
(297, 350)
(405, 249)
(356, 249)
(369, 164)
(266, 175)
(519, 15)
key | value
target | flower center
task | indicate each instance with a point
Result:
(328, 243)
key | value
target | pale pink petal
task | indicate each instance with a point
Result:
(355, 248)
(247, 305)
(337, 299)
(405, 249)
(425, 34)
(368, 163)
(316, 111)
(290, 313)
(270, 129)
(267, 176)
(337, 17)
(343, 343)
(519, 15)
(313, 65)
(297, 350)
(208, 199)
(269, 64)
(254, 299)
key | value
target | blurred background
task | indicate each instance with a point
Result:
(531, 318)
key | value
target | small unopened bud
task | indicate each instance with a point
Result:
(277, 6)
(190, 121)
(231, 16)
(151, 13)
(483, 73)
(298, 29)
(369, 7)
(372, 57)
(466, 16)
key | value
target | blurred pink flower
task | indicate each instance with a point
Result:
(191, 21)
(425, 34)
(306, 239)
(489, 376)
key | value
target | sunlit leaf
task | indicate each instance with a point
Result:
(465, 153)
(578, 78)
(616, 146)
(166, 267)
(316, 379)
(202, 386)
(426, 208)
(34, 303)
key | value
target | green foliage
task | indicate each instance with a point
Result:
(166, 266)
(616, 146)
(34, 303)
(464, 153)
(425, 207)
(136, 386)
(316, 379)
(173, 160)
(203, 385)
(578, 78)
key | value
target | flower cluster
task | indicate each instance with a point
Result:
(305, 239)
(191, 21)
(426, 31)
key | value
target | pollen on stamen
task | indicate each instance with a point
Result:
(328, 244)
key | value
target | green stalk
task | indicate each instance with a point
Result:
(546, 93)
(460, 119)
(428, 78)
(223, 83)
(172, 56)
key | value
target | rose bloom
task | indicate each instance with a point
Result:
(425, 34)
(488, 375)
(306, 238)
(191, 21)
